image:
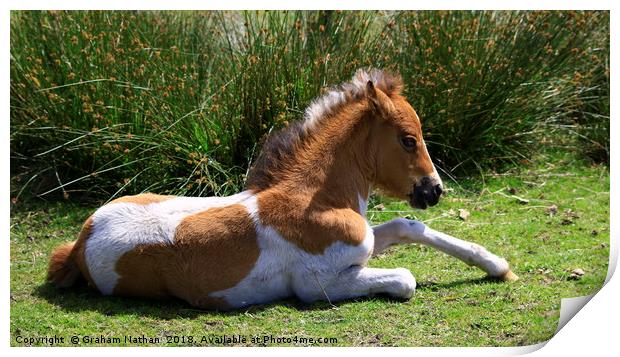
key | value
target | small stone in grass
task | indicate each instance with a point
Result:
(571, 214)
(576, 274)
(380, 207)
(552, 210)
(463, 214)
(566, 221)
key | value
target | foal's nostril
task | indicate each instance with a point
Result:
(438, 190)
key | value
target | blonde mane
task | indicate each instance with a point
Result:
(339, 96)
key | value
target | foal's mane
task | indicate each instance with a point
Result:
(281, 146)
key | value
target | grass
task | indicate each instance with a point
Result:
(454, 304)
(105, 103)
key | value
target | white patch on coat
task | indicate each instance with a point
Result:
(118, 228)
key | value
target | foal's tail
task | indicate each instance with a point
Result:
(62, 270)
(67, 266)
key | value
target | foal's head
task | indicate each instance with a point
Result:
(395, 150)
(403, 166)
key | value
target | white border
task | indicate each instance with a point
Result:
(592, 330)
(316, 4)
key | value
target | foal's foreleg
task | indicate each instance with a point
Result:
(389, 234)
(408, 231)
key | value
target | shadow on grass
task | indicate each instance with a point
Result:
(84, 298)
(433, 286)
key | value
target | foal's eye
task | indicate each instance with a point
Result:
(408, 142)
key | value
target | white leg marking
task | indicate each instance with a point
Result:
(388, 234)
(402, 230)
(356, 281)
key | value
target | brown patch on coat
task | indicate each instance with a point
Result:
(316, 204)
(309, 225)
(143, 199)
(314, 201)
(213, 250)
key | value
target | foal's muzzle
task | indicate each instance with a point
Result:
(425, 193)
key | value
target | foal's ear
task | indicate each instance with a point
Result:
(380, 103)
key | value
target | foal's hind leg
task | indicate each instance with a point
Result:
(402, 230)
(355, 281)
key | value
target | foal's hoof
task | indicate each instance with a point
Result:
(509, 276)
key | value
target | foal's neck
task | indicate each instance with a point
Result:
(336, 166)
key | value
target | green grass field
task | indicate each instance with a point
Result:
(454, 305)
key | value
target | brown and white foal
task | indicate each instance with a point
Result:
(298, 230)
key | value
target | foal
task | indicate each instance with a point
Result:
(299, 229)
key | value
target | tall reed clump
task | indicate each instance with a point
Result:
(588, 120)
(106, 103)
(490, 85)
(122, 102)
(591, 116)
